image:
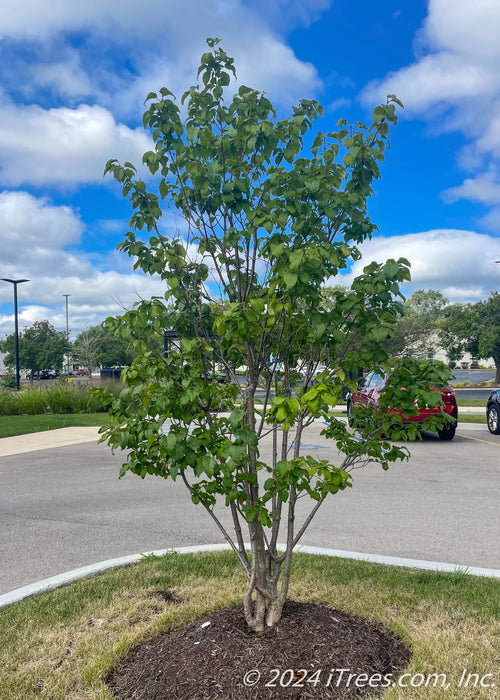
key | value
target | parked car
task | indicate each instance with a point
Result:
(218, 377)
(46, 374)
(79, 373)
(370, 389)
(493, 412)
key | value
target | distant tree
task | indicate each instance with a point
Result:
(40, 347)
(458, 331)
(98, 346)
(87, 348)
(473, 328)
(416, 334)
(488, 344)
(116, 351)
(270, 222)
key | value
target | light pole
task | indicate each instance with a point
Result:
(67, 330)
(16, 334)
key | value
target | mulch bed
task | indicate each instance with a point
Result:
(301, 658)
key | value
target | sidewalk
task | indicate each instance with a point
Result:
(47, 439)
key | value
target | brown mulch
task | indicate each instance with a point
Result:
(209, 661)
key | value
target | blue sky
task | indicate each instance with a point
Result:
(73, 78)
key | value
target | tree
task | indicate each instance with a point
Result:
(458, 330)
(473, 328)
(98, 346)
(269, 223)
(87, 348)
(417, 331)
(488, 345)
(40, 347)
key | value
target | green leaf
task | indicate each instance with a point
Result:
(290, 279)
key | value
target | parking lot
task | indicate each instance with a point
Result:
(65, 507)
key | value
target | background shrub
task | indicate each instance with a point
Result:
(8, 404)
(65, 398)
(57, 398)
(32, 401)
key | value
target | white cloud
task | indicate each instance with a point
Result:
(455, 84)
(457, 60)
(71, 143)
(63, 145)
(36, 235)
(447, 77)
(65, 78)
(33, 19)
(485, 188)
(167, 40)
(29, 224)
(473, 27)
(459, 263)
(339, 103)
(287, 13)
(94, 296)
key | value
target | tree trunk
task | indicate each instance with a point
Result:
(264, 610)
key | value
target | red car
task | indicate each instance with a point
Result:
(371, 387)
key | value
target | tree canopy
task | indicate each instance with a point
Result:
(40, 347)
(473, 328)
(416, 333)
(488, 330)
(272, 213)
(96, 346)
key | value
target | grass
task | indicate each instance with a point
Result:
(472, 403)
(61, 645)
(472, 418)
(460, 385)
(21, 425)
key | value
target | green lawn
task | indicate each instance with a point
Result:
(471, 402)
(61, 645)
(20, 425)
(472, 417)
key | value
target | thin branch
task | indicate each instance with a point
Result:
(227, 537)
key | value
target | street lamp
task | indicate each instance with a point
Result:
(67, 330)
(16, 336)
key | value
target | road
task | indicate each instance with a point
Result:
(63, 508)
(475, 376)
(475, 393)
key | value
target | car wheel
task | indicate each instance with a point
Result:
(448, 432)
(349, 413)
(493, 419)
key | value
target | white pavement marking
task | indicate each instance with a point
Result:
(86, 571)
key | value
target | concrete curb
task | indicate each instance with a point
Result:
(86, 571)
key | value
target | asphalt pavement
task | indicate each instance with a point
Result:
(64, 507)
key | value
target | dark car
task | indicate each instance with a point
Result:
(218, 377)
(493, 412)
(47, 374)
(371, 387)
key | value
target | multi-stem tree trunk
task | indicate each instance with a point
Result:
(264, 599)
(265, 610)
